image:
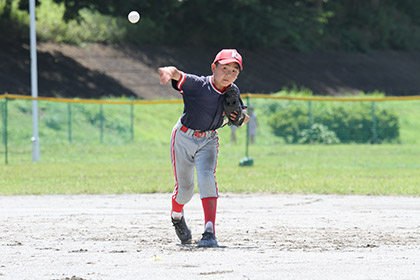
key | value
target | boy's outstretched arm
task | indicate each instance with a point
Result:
(168, 73)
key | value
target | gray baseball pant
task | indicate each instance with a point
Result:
(189, 152)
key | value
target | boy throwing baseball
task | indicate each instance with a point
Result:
(195, 141)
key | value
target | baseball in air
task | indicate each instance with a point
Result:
(133, 17)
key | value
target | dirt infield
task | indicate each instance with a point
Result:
(261, 236)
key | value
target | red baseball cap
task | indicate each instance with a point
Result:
(227, 56)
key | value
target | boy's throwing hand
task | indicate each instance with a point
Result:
(168, 73)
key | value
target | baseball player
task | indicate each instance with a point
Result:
(252, 125)
(195, 141)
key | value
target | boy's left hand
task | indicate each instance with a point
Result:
(233, 115)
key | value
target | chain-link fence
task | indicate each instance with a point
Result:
(281, 120)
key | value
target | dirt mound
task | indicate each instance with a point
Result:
(95, 70)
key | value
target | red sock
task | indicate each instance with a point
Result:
(176, 207)
(209, 207)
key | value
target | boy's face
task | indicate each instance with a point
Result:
(224, 74)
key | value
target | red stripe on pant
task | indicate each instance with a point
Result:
(176, 207)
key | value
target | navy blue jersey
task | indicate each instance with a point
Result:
(203, 102)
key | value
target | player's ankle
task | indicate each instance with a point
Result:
(176, 215)
(209, 227)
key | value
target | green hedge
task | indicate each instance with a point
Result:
(350, 124)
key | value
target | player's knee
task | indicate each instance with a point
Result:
(185, 193)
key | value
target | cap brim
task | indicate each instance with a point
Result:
(230, 60)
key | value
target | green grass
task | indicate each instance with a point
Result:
(143, 165)
(134, 168)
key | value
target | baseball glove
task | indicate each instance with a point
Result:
(232, 105)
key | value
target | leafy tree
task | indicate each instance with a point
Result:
(303, 25)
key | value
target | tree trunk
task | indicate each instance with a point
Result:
(7, 9)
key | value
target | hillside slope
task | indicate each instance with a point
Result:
(95, 71)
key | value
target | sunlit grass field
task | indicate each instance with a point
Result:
(142, 164)
(134, 168)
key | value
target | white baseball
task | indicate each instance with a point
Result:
(133, 17)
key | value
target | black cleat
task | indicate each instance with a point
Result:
(182, 230)
(208, 240)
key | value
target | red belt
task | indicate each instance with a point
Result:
(197, 133)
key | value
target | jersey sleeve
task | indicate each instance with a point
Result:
(177, 85)
(187, 82)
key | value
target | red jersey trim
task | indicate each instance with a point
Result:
(214, 87)
(181, 82)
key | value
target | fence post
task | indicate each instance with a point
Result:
(101, 123)
(310, 120)
(69, 121)
(132, 119)
(374, 130)
(6, 160)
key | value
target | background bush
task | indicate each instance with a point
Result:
(318, 134)
(350, 124)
